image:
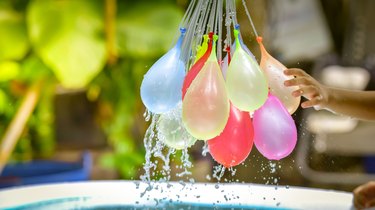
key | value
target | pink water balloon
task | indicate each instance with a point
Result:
(274, 72)
(275, 133)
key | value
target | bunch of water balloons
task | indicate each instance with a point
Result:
(229, 102)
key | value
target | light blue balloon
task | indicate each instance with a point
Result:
(161, 88)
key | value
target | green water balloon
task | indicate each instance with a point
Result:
(246, 84)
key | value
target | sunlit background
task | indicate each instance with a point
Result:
(70, 75)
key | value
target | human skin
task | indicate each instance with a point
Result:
(356, 104)
(364, 195)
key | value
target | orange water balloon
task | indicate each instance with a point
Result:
(274, 71)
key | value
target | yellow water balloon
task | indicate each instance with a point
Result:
(246, 84)
(202, 49)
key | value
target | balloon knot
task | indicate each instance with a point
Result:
(216, 37)
(210, 34)
(227, 49)
(237, 26)
(259, 39)
(182, 30)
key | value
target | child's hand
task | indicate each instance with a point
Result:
(364, 196)
(316, 93)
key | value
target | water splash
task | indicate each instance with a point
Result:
(186, 164)
(148, 143)
(147, 115)
(218, 172)
(205, 149)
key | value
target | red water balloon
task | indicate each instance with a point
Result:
(234, 144)
(194, 70)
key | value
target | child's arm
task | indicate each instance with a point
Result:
(357, 104)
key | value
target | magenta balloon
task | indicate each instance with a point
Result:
(275, 133)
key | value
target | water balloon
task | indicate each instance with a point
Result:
(234, 144)
(274, 72)
(275, 133)
(172, 131)
(161, 85)
(203, 48)
(230, 51)
(205, 107)
(194, 70)
(246, 84)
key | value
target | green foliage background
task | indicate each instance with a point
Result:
(63, 42)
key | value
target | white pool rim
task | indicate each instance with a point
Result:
(129, 193)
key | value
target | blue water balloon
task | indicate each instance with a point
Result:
(161, 88)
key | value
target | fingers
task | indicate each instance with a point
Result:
(298, 81)
(307, 91)
(295, 72)
(312, 102)
(301, 78)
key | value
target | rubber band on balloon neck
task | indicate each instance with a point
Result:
(183, 30)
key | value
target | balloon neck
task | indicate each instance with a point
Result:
(236, 34)
(205, 42)
(181, 38)
(260, 42)
(213, 51)
(269, 92)
(205, 38)
(210, 35)
(228, 53)
(215, 38)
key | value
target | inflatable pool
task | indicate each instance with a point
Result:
(173, 195)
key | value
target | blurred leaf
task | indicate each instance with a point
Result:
(108, 161)
(32, 68)
(68, 36)
(13, 37)
(9, 70)
(147, 30)
(43, 141)
(3, 102)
